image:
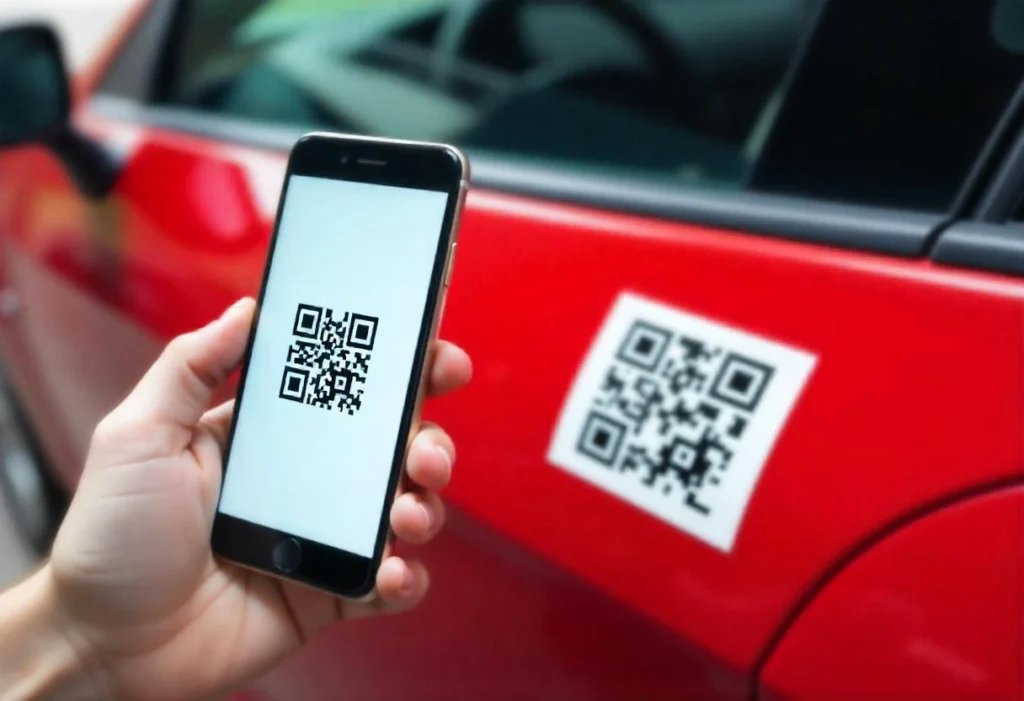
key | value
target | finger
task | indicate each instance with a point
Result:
(208, 447)
(431, 457)
(180, 385)
(417, 517)
(217, 422)
(450, 370)
(401, 586)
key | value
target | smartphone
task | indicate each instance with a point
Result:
(333, 377)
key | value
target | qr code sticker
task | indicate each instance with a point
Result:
(677, 414)
(329, 359)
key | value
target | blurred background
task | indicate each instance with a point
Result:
(843, 177)
(84, 26)
(16, 557)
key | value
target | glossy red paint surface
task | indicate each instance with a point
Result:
(933, 612)
(882, 428)
(503, 624)
(545, 586)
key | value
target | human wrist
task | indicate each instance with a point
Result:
(41, 657)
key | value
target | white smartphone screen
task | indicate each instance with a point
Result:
(331, 362)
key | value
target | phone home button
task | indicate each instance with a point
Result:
(287, 555)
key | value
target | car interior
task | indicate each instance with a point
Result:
(681, 88)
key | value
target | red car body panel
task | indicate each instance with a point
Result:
(546, 587)
(933, 612)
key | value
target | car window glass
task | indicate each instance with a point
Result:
(847, 101)
(892, 102)
(676, 88)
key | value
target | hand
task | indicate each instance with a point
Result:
(148, 608)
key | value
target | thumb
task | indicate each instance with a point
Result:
(179, 387)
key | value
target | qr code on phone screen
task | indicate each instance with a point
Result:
(329, 358)
(677, 414)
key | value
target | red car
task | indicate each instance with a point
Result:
(743, 284)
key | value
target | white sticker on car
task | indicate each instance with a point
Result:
(677, 414)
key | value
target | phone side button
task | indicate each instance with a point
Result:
(287, 555)
(451, 265)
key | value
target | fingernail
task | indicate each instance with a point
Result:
(428, 514)
(446, 455)
(408, 580)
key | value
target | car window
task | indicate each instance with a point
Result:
(892, 102)
(855, 100)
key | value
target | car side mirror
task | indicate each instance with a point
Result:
(35, 107)
(35, 99)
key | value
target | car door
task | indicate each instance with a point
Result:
(715, 358)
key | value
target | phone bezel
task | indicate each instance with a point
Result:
(423, 166)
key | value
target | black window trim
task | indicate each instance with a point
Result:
(859, 227)
(887, 231)
(991, 240)
(986, 237)
(995, 182)
(997, 248)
